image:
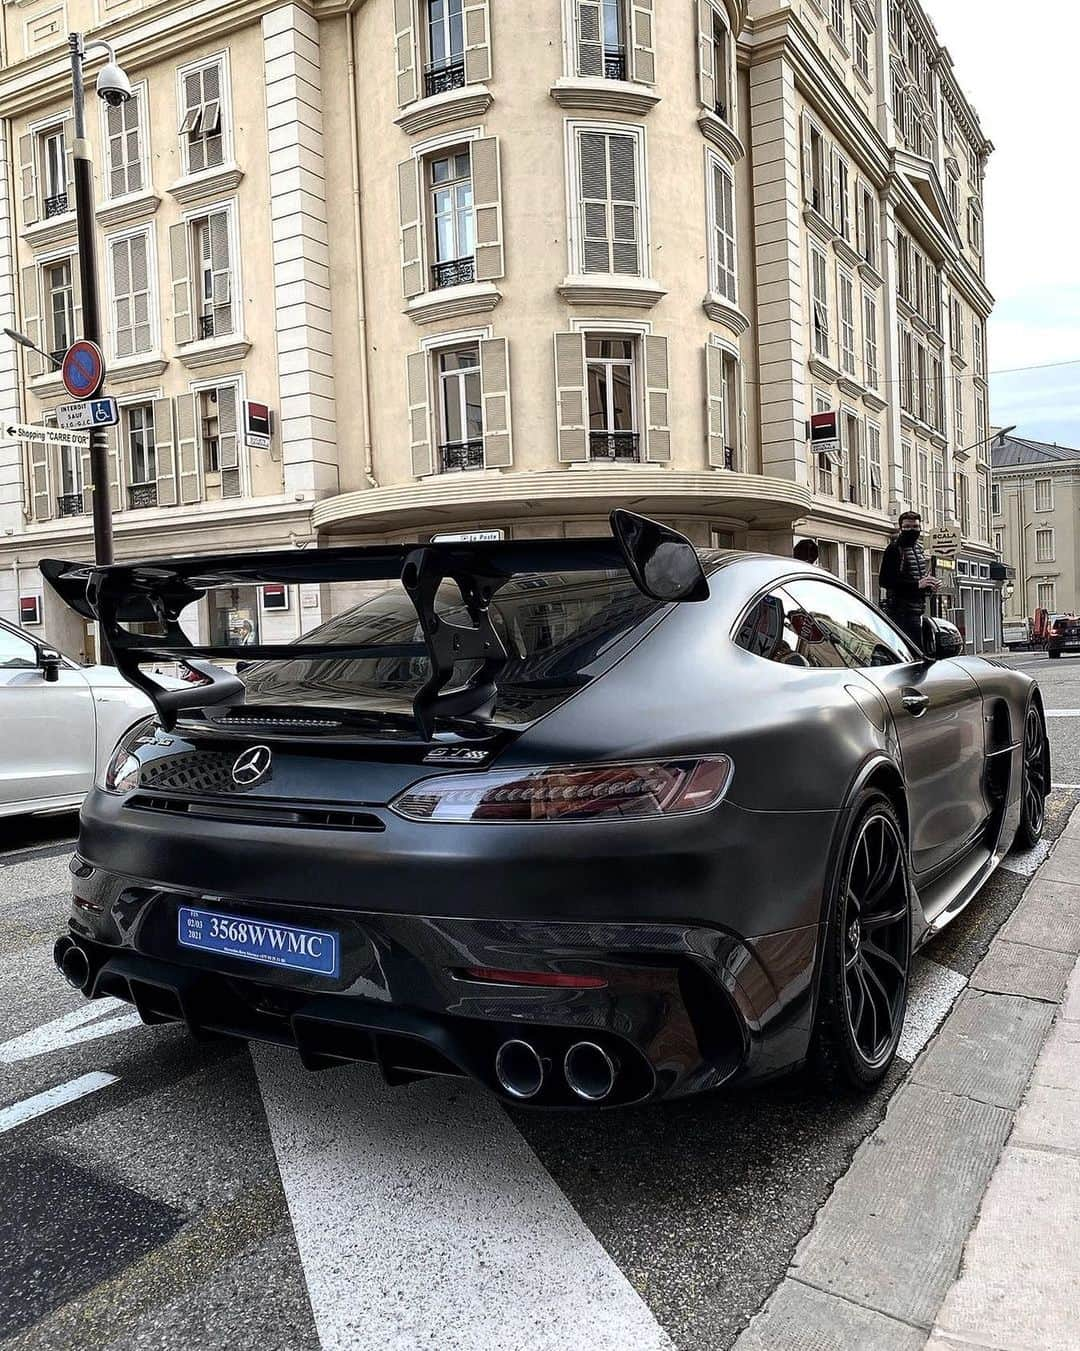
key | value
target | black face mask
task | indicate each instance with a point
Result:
(910, 536)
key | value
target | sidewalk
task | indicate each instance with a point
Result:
(959, 1218)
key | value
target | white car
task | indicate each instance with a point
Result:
(59, 722)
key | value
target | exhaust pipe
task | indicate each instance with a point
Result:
(589, 1071)
(519, 1069)
(72, 963)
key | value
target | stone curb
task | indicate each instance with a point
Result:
(885, 1250)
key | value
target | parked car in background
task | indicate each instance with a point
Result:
(1064, 635)
(59, 722)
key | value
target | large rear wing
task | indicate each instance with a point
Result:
(662, 563)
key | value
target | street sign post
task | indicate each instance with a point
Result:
(47, 436)
(945, 542)
(825, 433)
(83, 369)
(89, 413)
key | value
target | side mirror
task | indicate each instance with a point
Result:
(49, 662)
(663, 563)
(941, 640)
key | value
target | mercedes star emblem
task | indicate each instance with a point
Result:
(252, 766)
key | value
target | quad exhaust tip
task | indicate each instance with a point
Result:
(590, 1071)
(519, 1069)
(72, 963)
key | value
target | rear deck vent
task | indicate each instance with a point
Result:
(255, 812)
(248, 720)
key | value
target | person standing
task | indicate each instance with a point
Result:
(905, 578)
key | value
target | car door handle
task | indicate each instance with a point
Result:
(914, 702)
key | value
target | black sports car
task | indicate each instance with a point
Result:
(591, 821)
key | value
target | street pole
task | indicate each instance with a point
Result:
(84, 216)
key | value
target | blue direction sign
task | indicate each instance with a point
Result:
(83, 369)
(90, 413)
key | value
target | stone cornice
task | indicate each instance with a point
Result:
(604, 96)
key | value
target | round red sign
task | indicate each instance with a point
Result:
(83, 369)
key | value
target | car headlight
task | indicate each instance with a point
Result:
(121, 773)
(571, 793)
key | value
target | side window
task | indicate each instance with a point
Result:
(859, 634)
(16, 653)
(778, 629)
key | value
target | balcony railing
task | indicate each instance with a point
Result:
(721, 110)
(56, 357)
(614, 65)
(729, 457)
(456, 272)
(56, 205)
(441, 79)
(142, 495)
(206, 325)
(614, 445)
(70, 504)
(461, 455)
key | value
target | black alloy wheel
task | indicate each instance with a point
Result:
(868, 952)
(1033, 785)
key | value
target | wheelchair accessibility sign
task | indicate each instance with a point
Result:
(92, 413)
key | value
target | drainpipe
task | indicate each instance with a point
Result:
(358, 242)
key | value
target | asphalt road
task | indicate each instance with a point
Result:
(165, 1194)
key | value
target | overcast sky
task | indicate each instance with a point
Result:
(1019, 66)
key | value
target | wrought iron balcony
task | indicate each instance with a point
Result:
(441, 79)
(206, 325)
(457, 272)
(70, 504)
(614, 65)
(461, 455)
(614, 445)
(56, 205)
(142, 495)
(729, 457)
(56, 357)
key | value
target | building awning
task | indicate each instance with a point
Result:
(1001, 572)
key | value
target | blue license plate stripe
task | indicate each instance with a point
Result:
(291, 946)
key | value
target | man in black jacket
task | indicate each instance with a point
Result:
(905, 578)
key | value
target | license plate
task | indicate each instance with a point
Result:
(257, 940)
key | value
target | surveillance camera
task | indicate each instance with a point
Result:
(113, 85)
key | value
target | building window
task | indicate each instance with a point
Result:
(836, 17)
(608, 179)
(952, 188)
(870, 340)
(142, 460)
(202, 123)
(601, 39)
(937, 394)
(1044, 494)
(939, 490)
(610, 370)
(854, 458)
(213, 274)
(129, 273)
(819, 299)
(846, 292)
(724, 255)
(461, 410)
(980, 427)
(963, 506)
(52, 160)
(124, 145)
(818, 167)
(873, 450)
(453, 221)
(59, 307)
(958, 412)
(860, 37)
(867, 224)
(975, 225)
(445, 47)
(924, 484)
(722, 64)
(999, 542)
(724, 383)
(828, 465)
(905, 469)
(956, 326)
(209, 430)
(995, 499)
(978, 347)
(1046, 596)
(840, 186)
(214, 442)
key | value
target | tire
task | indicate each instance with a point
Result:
(864, 980)
(1033, 785)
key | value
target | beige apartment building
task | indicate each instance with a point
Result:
(1035, 504)
(499, 266)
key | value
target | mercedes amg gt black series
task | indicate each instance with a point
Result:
(591, 821)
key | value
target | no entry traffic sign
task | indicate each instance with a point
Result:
(83, 369)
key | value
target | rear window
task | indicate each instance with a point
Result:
(559, 632)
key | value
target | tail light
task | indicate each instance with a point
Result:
(121, 773)
(571, 793)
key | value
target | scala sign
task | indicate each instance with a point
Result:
(825, 433)
(945, 543)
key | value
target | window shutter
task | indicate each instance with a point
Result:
(836, 214)
(657, 433)
(228, 439)
(860, 233)
(187, 444)
(807, 161)
(416, 378)
(140, 292)
(28, 180)
(477, 41)
(117, 143)
(593, 188)
(405, 40)
(571, 396)
(165, 453)
(487, 209)
(828, 168)
(495, 393)
(714, 381)
(589, 39)
(132, 144)
(192, 123)
(69, 168)
(40, 496)
(642, 56)
(76, 296)
(706, 56)
(87, 485)
(123, 317)
(112, 445)
(31, 319)
(181, 282)
(412, 264)
(221, 279)
(625, 250)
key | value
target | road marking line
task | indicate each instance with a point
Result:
(86, 1023)
(52, 1098)
(933, 991)
(422, 1218)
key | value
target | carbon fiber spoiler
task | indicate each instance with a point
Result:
(663, 564)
